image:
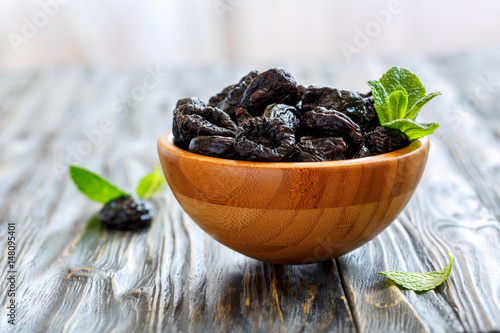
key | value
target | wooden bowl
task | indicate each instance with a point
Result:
(293, 213)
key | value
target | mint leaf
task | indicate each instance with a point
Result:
(398, 96)
(151, 184)
(398, 101)
(400, 87)
(413, 112)
(94, 186)
(413, 129)
(381, 101)
(411, 83)
(421, 281)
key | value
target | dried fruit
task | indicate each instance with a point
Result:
(121, 210)
(242, 115)
(126, 213)
(286, 113)
(357, 106)
(369, 118)
(362, 152)
(320, 149)
(229, 98)
(301, 89)
(345, 101)
(382, 140)
(191, 121)
(181, 104)
(215, 146)
(264, 139)
(278, 120)
(273, 86)
(331, 123)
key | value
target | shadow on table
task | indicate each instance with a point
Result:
(283, 296)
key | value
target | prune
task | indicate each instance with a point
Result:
(264, 139)
(279, 120)
(360, 110)
(286, 113)
(126, 213)
(362, 152)
(320, 149)
(332, 98)
(215, 146)
(365, 94)
(229, 98)
(242, 115)
(331, 123)
(382, 140)
(301, 90)
(185, 101)
(370, 119)
(191, 121)
(273, 86)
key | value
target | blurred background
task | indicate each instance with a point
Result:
(126, 33)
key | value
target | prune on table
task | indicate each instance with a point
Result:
(191, 121)
(331, 123)
(313, 149)
(241, 115)
(286, 113)
(264, 139)
(382, 140)
(126, 213)
(215, 146)
(272, 86)
(229, 98)
(362, 152)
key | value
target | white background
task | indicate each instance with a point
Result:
(134, 33)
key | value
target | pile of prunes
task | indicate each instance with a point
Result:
(269, 117)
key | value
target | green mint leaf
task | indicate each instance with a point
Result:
(398, 102)
(381, 101)
(413, 129)
(151, 184)
(400, 87)
(421, 281)
(398, 76)
(413, 112)
(398, 96)
(94, 186)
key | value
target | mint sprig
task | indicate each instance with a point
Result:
(421, 281)
(94, 186)
(101, 190)
(151, 184)
(399, 95)
(398, 76)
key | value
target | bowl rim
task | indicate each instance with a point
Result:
(166, 142)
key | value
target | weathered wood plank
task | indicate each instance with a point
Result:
(75, 276)
(471, 145)
(447, 214)
(477, 125)
(78, 277)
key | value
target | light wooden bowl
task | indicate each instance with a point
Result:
(293, 213)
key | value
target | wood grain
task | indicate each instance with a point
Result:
(76, 277)
(293, 213)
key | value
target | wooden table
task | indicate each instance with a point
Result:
(73, 276)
